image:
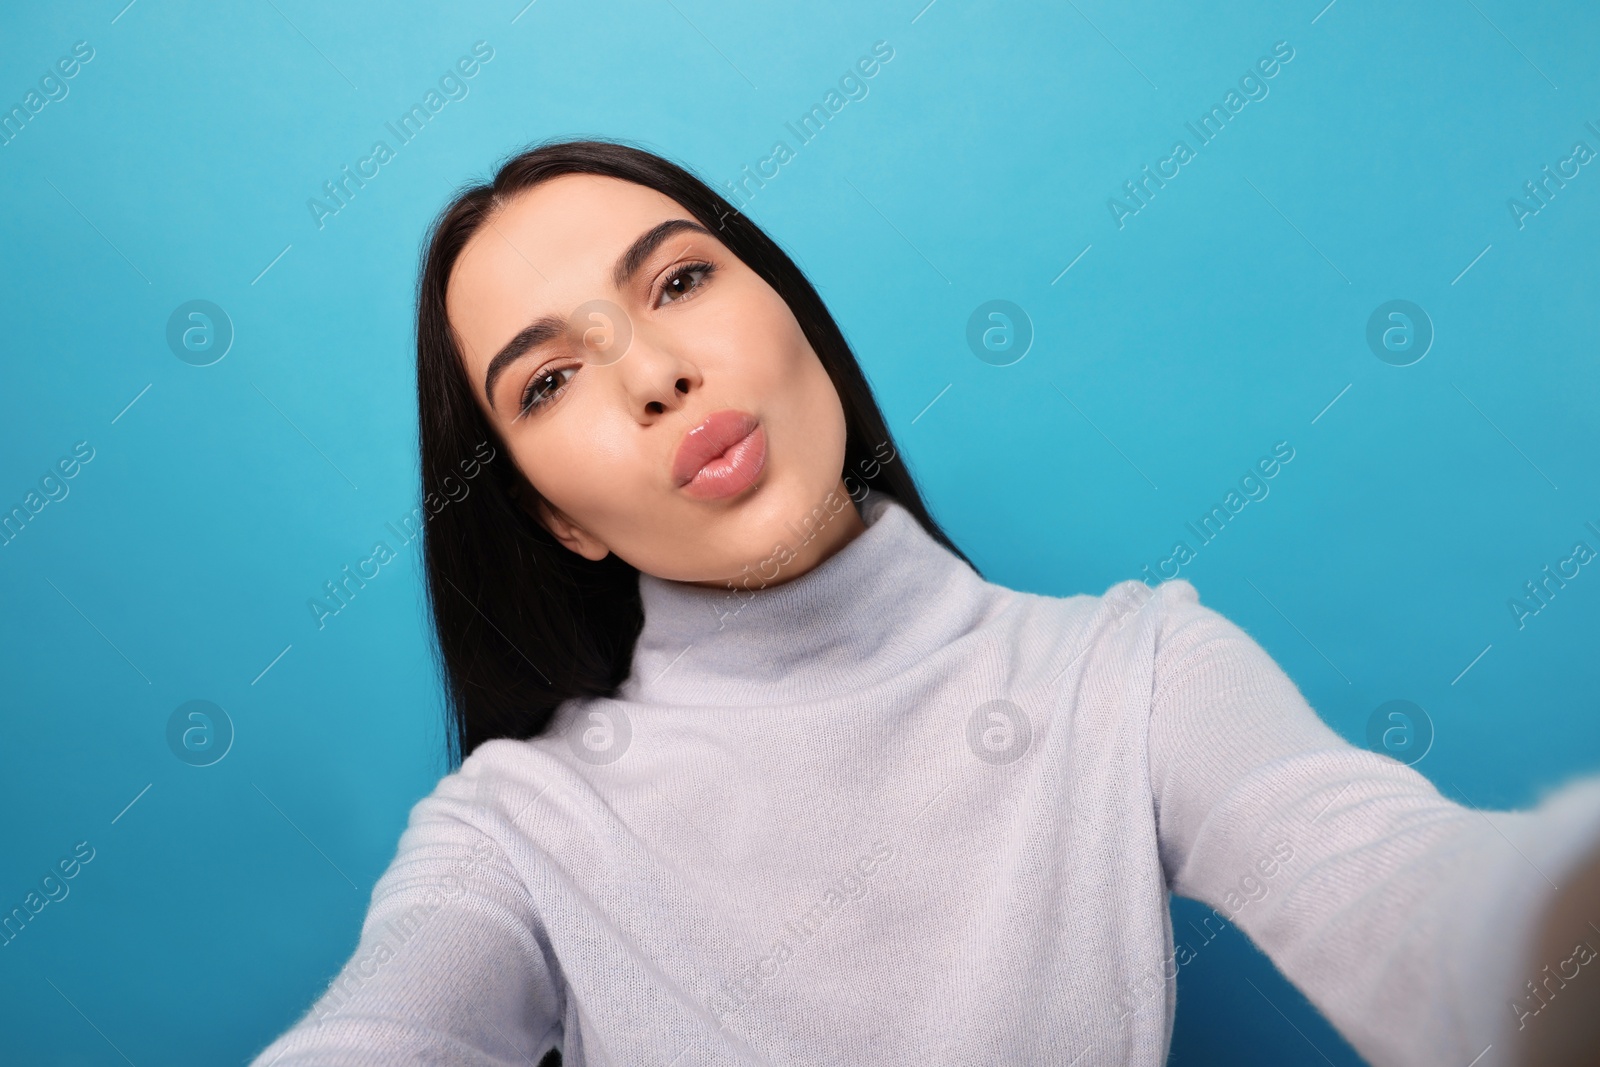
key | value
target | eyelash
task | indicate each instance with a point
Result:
(706, 269)
(529, 403)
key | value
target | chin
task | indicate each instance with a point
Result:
(804, 508)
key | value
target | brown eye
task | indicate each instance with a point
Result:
(683, 282)
(544, 387)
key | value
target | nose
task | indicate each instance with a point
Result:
(648, 365)
(655, 379)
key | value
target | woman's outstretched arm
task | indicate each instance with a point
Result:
(452, 965)
(1413, 922)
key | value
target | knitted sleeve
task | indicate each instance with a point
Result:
(1405, 917)
(452, 966)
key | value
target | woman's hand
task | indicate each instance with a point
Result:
(1560, 1026)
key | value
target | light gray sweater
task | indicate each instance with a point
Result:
(889, 813)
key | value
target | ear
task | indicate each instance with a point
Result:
(570, 533)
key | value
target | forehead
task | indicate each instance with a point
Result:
(548, 249)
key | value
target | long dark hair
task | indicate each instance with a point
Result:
(522, 622)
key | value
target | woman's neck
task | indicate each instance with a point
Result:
(886, 599)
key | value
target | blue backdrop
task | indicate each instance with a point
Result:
(1376, 251)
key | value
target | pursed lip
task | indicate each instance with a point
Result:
(720, 431)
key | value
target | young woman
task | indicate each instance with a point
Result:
(756, 768)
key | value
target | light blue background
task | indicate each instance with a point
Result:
(1224, 317)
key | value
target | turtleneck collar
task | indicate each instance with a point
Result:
(862, 614)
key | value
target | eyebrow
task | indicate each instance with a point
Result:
(550, 327)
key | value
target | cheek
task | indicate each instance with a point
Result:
(782, 373)
(789, 370)
(582, 460)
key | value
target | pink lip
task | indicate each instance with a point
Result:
(720, 457)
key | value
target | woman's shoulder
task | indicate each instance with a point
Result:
(483, 795)
(1106, 614)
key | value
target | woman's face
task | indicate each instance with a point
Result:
(639, 332)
